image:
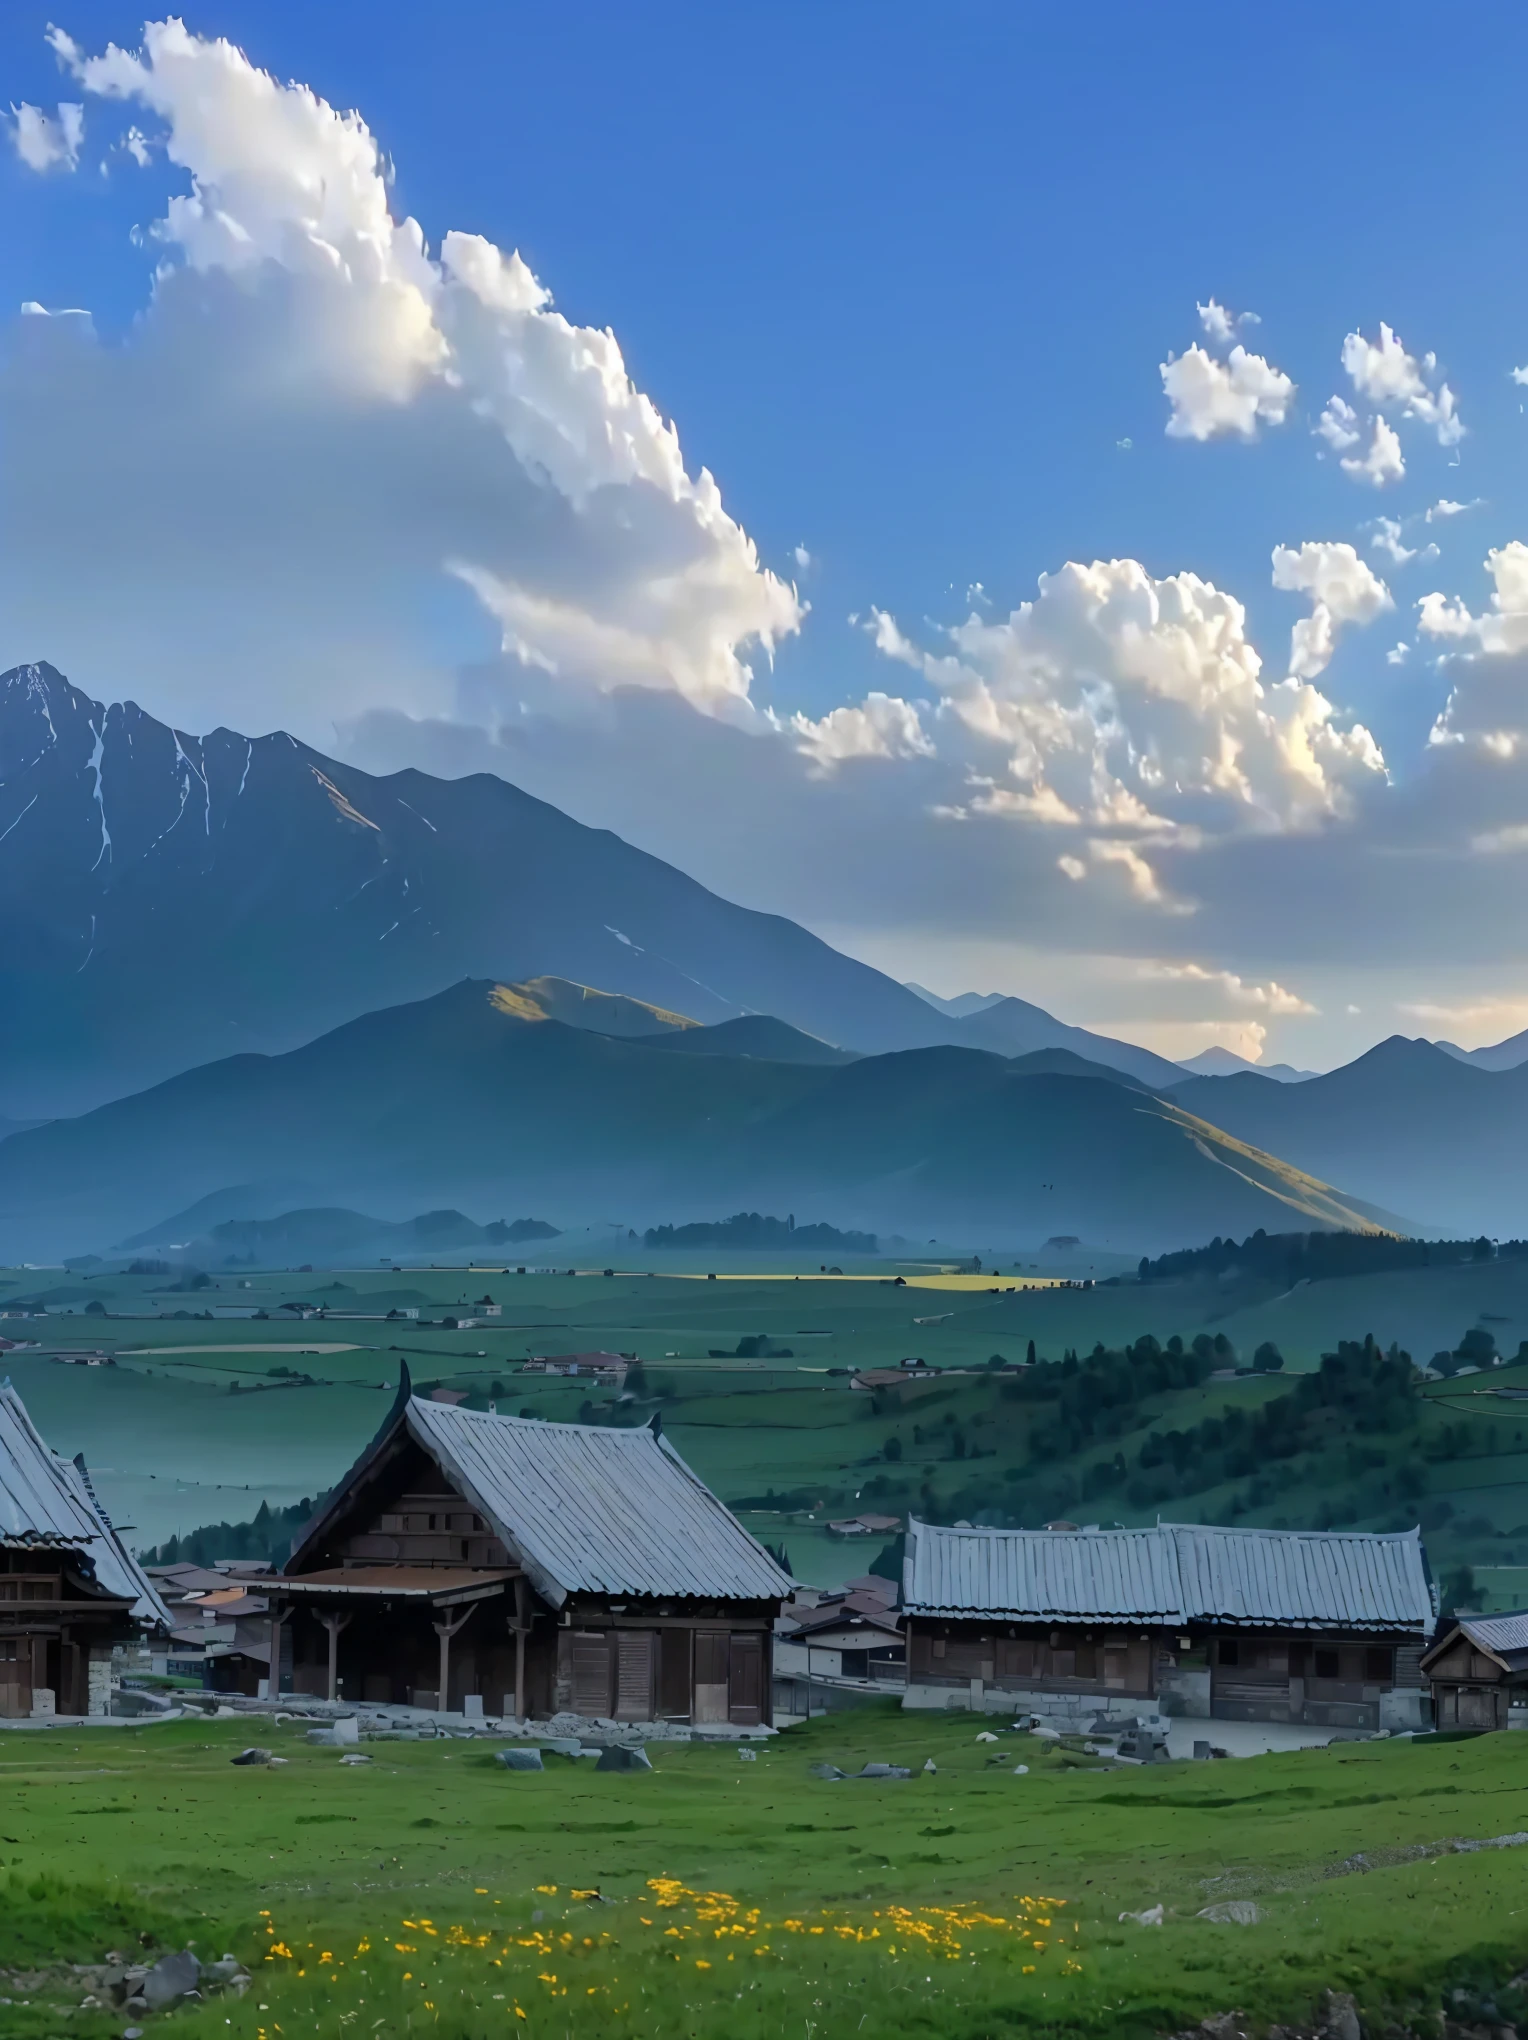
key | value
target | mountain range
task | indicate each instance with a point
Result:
(1407, 1124)
(477, 1096)
(166, 900)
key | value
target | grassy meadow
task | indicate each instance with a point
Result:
(204, 1418)
(431, 1891)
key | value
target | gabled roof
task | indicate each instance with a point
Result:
(583, 1508)
(1174, 1573)
(47, 1504)
(1502, 1637)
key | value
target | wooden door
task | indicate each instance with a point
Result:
(634, 1655)
(713, 1658)
(674, 1669)
(591, 1672)
(745, 1685)
(15, 1676)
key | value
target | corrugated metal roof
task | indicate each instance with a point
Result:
(588, 1509)
(1499, 1633)
(47, 1503)
(1173, 1573)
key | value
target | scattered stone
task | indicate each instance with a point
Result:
(563, 1745)
(355, 1758)
(748, 1756)
(624, 1757)
(884, 1771)
(828, 1771)
(986, 1736)
(1495, 1842)
(171, 1978)
(253, 1756)
(521, 1760)
(1021, 1770)
(930, 1766)
(1152, 1917)
(1339, 2019)
(1234, 1912)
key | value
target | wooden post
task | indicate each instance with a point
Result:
(520, 1624)
(278, 1622)
(445, 1630)
(334, 1624)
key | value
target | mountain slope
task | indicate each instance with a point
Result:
(166, 899)
(1014, 1027)
(1224, 1062)
(462, 1100)
(1407, 1123)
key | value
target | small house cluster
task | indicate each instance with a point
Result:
(486, 1565)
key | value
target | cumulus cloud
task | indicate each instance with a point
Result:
(1387, 538)
(1444, 509)
(1504, 627)
(881, 726)
(1383, 463)
(1134, 709)
(1339, 425)
(48, 142)
(1383, 372)
(1221, 325)
(321, 424)
(1234, 398)
(1343, 589)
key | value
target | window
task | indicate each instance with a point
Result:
(1377, 1665)
(1326, 1664)
(1230, 1651)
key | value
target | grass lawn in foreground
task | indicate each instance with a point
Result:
(432, 1891)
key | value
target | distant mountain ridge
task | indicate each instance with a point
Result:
(167, 899)
(465, 1099)
(1406, 1123)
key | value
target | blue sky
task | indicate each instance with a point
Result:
(905, 284)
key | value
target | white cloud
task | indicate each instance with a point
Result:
(881, 726)
(48, 142)
(1211, 399)
(1398, 654)
(1339, 425)
(1385, 373)
(1520, 375)
(319, 423)
(1478, 1021)
(1504, 628)
(1343, 589)
(1382, 463)
(1237, 992)
(1135, 708)
(1444, 509)
(801, 556)
(1217, 322)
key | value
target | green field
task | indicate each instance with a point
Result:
(432, 1891)
(195, 1424)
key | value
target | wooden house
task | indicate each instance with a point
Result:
(1478, 1666)
(1323, 1628)
(69, 1589)
(498, 1565)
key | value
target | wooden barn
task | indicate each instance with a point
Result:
(1325, 1628)
(498, 1565)
(1478, 1666)
(69, 1589)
